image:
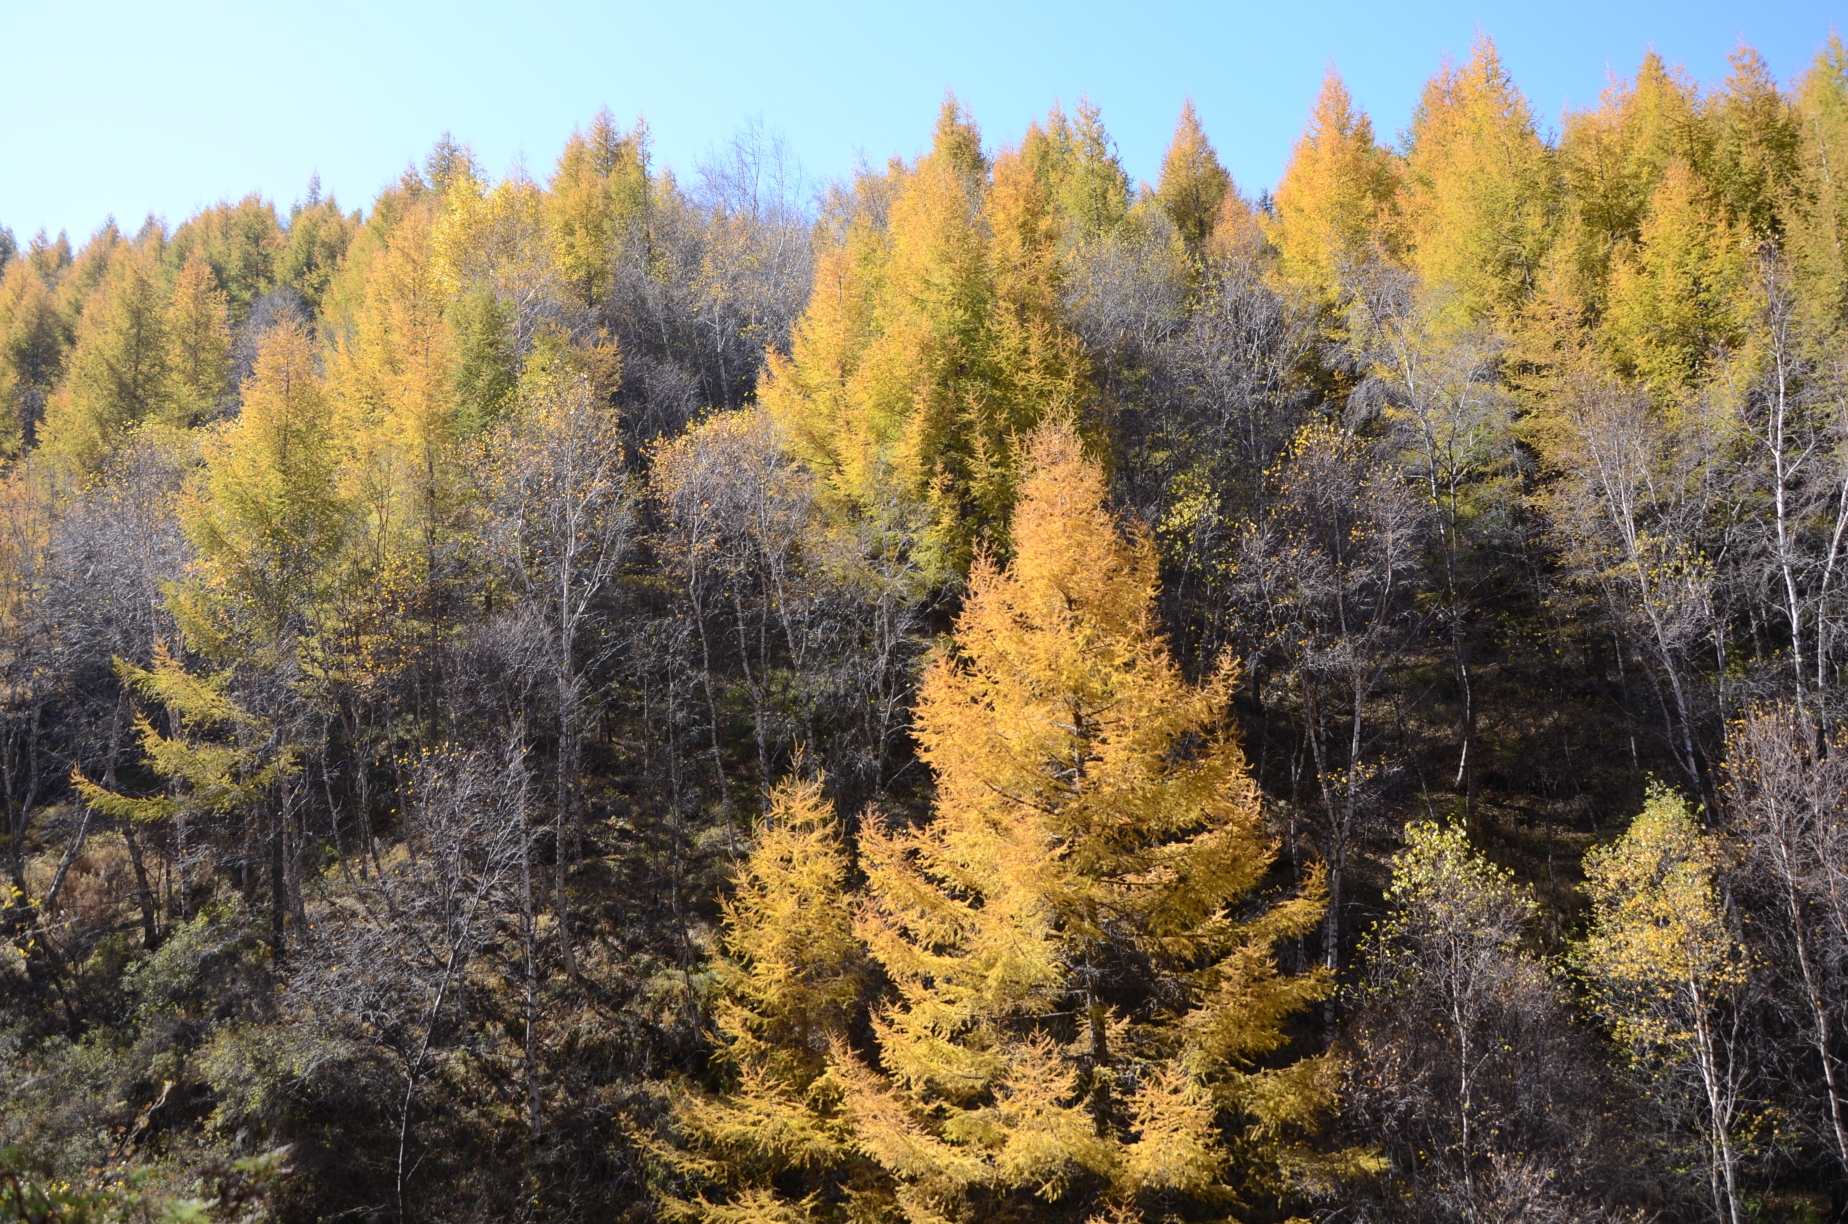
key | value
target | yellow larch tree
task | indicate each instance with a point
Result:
(1673, 296)
(33, 345)
(599, 192)
(1193, 184)
(778, 1144)
(392, 377)
(1481, 188)
(264, 515)
(493, 259)
(1756, 145)
(1664, 966)
(931, 344)
(198, 335)
(1083, 990)
(82, 274)
(1613, 156)
(118, 368)
(241, 243)
(1816, 213)
(319, 235)
(1334, 202)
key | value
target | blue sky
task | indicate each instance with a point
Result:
(128, 109)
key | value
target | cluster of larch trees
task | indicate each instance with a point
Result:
(992, 692)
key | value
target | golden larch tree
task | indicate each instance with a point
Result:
(931, 344)
(1816, 213)
(391, 373)
(1673, 297)
(264, 515)
(778, 1144)
(599, 193)
(1334, 201)
(118, 369)
(198, 344)
(1481, 188)
(1193, 184)
(1083, 983)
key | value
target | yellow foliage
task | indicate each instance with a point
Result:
(1481, 188)
(1193, 184)
(1816, 213)
(1673, 298)
(1094, 826)
(1661, 955)
(391, 375)
(263, 513)
(790, 981)
(598, 192)
(118, 368)
(931, 345)
(1334, 203)
(198, 344)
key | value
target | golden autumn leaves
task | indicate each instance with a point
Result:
(1081, 990)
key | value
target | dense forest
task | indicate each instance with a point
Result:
(984, 692)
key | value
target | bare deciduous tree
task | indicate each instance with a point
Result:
(560, 521)
(1788, 795)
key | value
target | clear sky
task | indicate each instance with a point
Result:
(124, 109)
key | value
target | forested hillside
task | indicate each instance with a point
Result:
(990, 692)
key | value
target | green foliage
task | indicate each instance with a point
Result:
(1076, 161)
(241, 243)
(318, 238)
(233, 1194)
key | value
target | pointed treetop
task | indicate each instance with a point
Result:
(1336, 192)
(1193, 183)
(956, 140)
